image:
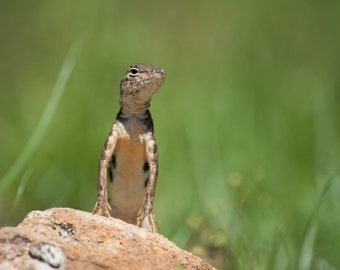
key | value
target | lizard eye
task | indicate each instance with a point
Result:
(133, 72)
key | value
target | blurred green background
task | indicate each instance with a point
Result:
(247, 121)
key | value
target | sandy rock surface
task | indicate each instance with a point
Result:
(64, 238)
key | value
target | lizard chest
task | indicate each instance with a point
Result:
(128, 174)
(128, 161)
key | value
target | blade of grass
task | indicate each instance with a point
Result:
(40, 130)
(307, 249)
(20, 191)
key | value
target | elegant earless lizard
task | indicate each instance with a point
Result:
(129, 156)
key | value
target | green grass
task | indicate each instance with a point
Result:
(247, 121)
(44, 122)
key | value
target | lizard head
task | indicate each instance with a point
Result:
(138, 85)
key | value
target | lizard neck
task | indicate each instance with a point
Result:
(129, 109)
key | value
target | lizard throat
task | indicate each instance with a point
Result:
(129, 109)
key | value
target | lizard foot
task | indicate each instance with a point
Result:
(147, 220)
(102, 207)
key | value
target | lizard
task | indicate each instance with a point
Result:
(129, 156)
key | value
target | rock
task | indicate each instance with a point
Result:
(64, 238)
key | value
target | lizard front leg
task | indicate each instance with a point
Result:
(146, 217)
(102, 205)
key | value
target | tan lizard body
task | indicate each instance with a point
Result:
(130, 155)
